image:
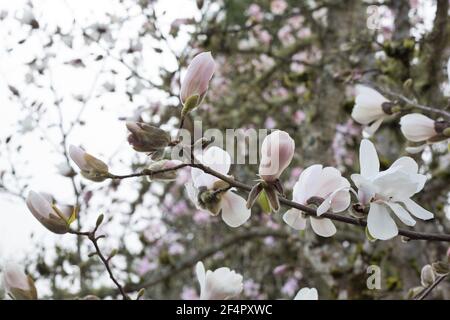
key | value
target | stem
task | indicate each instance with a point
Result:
(94, 239)
(422, 295)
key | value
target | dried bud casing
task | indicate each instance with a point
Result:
(146, 138)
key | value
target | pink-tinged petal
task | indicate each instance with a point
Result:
(295, 219)
(39, 206)
(78, 156)
(380, 223)
(234, 209)
(198, 75)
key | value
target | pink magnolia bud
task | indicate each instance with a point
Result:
(42, 208)
(17, 284)
(277, 151)
(91, 167)
(196, 81)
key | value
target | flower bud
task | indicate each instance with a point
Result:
(91, 167)
(219, 284)
(146, 138)
(17, 284)
(195, 83)
(42, 207)
(427, 276)
(163, 165)
(277, 151)
(416, 127)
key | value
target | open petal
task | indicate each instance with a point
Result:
(401, 213)
(217, 159)
(330, 180)
(192, 193)
(201, 179)
(370, 130)
(307, 183)
(368, 159)
(417, 210)
(323, 227)
(307, 294)
(398, 184)
(294, 218)
(234, 209)
(380, 223)
(407, 164)
(201, 274)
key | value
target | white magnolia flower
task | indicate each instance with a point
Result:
(416, 127)
(212, 194)
(326, 185)
(307, 294)
(220, 284)
(17, 284)
(368, 108)
(387, 191)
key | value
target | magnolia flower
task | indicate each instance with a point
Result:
(389, 190)
(214, 195)
(196, 81)
(54, 219)
(277, 151)
(146, 138)
(91, 167)
(307, 294)
(416, 127)
(370, 107)
(17, 284)
(324, 187)
(220, 284)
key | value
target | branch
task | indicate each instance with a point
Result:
(422, 295)
(411, 235)
(94, 239)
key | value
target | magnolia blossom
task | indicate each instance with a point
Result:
(220, 284)
(369, 108)
(17, 284)
(307, 294)
(416, 127)
(42, 207)
(388, 191)
(212, 194)
(91, 167)
(324, 187)
(278, 6)
(277, 151)
(196, 81)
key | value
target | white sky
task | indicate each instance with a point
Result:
(103, 136)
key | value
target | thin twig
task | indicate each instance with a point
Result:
(422, 295)
(94, 239)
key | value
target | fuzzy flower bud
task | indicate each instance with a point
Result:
(427, 276)
(91, 167)
(54, 219)
(195, 83)
(163, 165)
(17, 284)
(277, 151)
(146, 138)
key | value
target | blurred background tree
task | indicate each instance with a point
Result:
(284, 64)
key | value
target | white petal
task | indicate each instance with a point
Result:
(307, 183)
(330, 179)
(417, 149)
(380, 223)
(401, 213)
(201, 179)
(234, 209)
(407, 164)
(307, 294)
(368, 159)
(295, 219)
(192, 193)
(416, 127)
(339, 200)
(323, 227)
(217, 159)
(201, 274)
(417, 210)
(370, 130)
(396, 184)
